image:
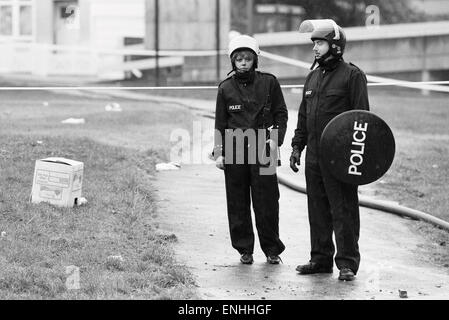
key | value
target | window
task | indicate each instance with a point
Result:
(16, 19)
(5, 20)
(25, 18)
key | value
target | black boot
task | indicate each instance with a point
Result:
(246, 258)
(313, 267)
(346, 274)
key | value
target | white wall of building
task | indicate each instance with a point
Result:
(187, 24)
(112, 20)
(98, 25)
(191, 25)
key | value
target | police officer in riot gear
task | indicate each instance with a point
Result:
(250, 102)
(332, 88)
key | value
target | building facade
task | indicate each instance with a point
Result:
(197, 25)
(87, 38)
(68, 37)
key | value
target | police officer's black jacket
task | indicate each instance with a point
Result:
(249, 105)
(328, 91)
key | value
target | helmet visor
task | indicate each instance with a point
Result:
(320, 27)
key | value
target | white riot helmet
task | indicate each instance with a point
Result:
(328, 30)
(243, 42)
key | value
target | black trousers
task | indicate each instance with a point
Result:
(333, 207)
(243, 183)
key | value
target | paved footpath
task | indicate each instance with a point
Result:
(192, 205)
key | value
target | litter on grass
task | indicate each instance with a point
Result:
(167, 166)
(74, 121)
(113, 107)
(81, 201)
(57, 181)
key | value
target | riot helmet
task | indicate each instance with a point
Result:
(244, 42)
(328, 30)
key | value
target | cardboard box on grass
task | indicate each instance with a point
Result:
(57, 181)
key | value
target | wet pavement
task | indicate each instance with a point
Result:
(192, 205)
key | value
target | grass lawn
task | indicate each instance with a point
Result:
(419, 176)
(114, 240)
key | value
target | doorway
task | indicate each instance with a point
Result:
(66, 22)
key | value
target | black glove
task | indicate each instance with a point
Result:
(295, 159)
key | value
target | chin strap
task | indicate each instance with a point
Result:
(321, 60)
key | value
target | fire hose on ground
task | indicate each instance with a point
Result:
(377, 205)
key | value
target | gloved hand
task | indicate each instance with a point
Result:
(295, 159)
(219, 163)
